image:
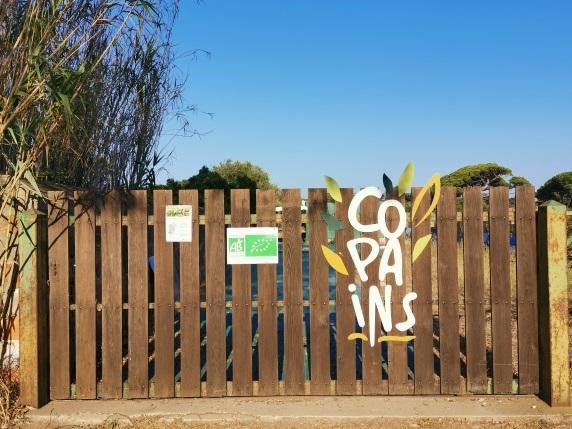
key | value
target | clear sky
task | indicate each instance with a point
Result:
(353, 89)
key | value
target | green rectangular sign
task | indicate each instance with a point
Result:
(252, 245)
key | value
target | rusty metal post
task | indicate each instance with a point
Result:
(34, 321)
(553, 304)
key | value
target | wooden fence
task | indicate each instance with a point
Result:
(193, 326)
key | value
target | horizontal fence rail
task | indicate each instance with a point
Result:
(134, 316)
(278, 217)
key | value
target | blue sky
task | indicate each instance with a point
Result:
(355, 89)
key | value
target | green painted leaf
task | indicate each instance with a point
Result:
(334, 260)
(388, 185)
(333, 189)
(420, 245)
(333, 223)
(406, 179)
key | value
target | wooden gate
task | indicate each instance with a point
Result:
(184, 324)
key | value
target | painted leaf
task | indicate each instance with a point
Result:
(387, 184)
(334, 260)
(420, 245)
(333, 223)
(395, 338)
(406, 178)
(357, 336)
(333, 189)
(434, 180)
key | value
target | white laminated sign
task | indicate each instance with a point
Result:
(179, 224)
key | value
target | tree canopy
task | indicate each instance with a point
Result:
(558, 188)
(226, 175)
(485, 175)
(239, 173)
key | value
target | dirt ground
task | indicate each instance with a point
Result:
(301, 412)
(381, 423)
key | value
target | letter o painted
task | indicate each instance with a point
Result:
(381, 219)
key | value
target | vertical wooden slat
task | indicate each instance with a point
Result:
(319, 297)
(473, 251)
(449, 343)
(164, 301)
(190, 304)
(267, 329)
(137, 296)
(553, 312)
(111, 263)
(526, 281)
(293, 322)
(424, 361)
(500, 290)
(345, 318)
(371, 356)
(397, 351)
(85, 300)
(241, 304)
(33, 310)
(58, 261)
(215, 291)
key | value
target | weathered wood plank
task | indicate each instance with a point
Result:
(473, 252)
(553, 305)
(293, 322)
(373, 384)
(33, 310)
(137, 296)
(345, 318)
(85, 333)
(190, 304)
(215, 290)
(164, 301)
(397, 351)
(319, 308)
(449, 343)
(526, 289)
(241, 304)
(500, 290)
(58, 239)
(267, 324)
(111, 263)
(424, 361)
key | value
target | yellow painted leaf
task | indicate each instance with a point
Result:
(333, 189)
(390, 338)
(434, 180)
(334, 260)
(357, 336)
(406, 179)
(420, 245)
